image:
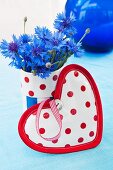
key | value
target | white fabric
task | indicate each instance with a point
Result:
(84, 115)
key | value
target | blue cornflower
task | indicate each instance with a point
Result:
(16, 62)
(65, 24)
(13, 47)
(25, 50)
(25, 53)
(37, 49)
(80, 51)
(24, 38)
(37, 58)
(43, 33)
(9, 49)
(43, 72)
(32, 53)
(74, 48)
(15, 52)
(57, 40)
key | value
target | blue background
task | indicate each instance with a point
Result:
(15, 155)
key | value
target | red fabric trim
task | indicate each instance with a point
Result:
(57, 95)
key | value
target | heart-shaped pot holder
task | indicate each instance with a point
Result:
(69, 122)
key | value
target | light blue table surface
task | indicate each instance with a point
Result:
(15, 155)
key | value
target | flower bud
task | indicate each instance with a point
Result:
(48, 65)
(87, 31)
(25, 19)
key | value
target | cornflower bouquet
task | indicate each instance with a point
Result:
(44, 51)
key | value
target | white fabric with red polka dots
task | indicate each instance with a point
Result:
(36, 87)
(78, 114)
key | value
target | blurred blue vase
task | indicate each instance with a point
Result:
(98, 16)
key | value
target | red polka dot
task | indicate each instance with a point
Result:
(55, 77)
(91, 134)
(95, 118)
(26, 79)
(40, 144)
(73, 111)
(42, 86)
(55, 141)
(53, 93)
(31, 93)
(42, 130)
(76, 74)
(80, 140)
(83, 88)
(83, 125)
(87, 104)
(68, 131)
(46, 115)
(70, 94)
(64, 81)
(67, 145)
(61, 116)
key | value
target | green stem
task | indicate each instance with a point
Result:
(25, 20)
(53, 56)
(24, 26)
(34, 72)
(56, 62)
(24, 69)
(61, 63)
